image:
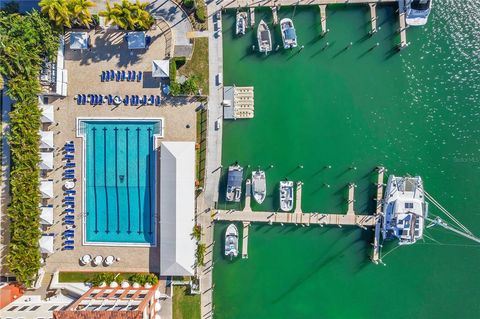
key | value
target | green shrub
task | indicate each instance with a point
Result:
(201, 13)
(104, 277)
(188, 3)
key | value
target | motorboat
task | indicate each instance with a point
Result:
(264, 37)
(417, 12)
(286, 195)
(405, 210)
(234, 183)
(241, 23)
(289, 37)
(259, 186)
(231, 241)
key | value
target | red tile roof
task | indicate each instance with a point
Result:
(62, 314)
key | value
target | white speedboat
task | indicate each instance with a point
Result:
(264, 38)
(231, 241)
(259, 186)
(234, 183)
(286, 195)
(289, 37)
(241, 23)
(404, 209)
(417, 12)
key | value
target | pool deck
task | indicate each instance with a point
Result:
(84, 69)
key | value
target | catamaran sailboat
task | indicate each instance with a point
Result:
(241, 24)
(234, 183)
(264, 37)
(259, 186)
(405, 209)
(418, 12)
(286, 195)
(231, 241)
(289, 37)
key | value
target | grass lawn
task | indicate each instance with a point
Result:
(185, 306)
(83, 276)
(198, 64)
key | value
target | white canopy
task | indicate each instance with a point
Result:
(136, 40)
(46, 160)
(160, 68)
(46, 139)
(177, 187)
(46, 188)
(47, 113)
(46, 215)
(78, 40)
(46, 244)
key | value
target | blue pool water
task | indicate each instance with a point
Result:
(120, 181)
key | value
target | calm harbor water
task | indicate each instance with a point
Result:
(353, 107)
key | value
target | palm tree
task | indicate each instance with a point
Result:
(57, 11)
(128, 16)
(79, 13)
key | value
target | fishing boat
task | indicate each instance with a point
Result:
(405, 210)
(417, 12)
(259, 186)
(264, 38)
(241, 23)
(234, 183)
(231, 241)
(286, 195)
(289, 37)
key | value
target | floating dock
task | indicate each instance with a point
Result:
(373, 17)
(238, 102)
(378, 214)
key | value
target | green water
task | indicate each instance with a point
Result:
(354, 108)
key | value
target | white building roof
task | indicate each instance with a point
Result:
(46, 215)
(46, 188)
(47, 113)
(46, 139)
(177, 187)
(160, 68)
(46, 244)
(46, 160)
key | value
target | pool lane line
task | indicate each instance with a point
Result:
(138, 183)
(94, 130)
(149, 178)
(105, 175)
(126, 178)
(116, 178)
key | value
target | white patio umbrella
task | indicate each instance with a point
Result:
(125, 284)
(46, 244)
(46, 162)
(97, 260)
(47, 113)
(136, 285)
(46, 215)
(158, 306)
(160, 68)
(46, 188)
(109, 260)
(46, 139)
(85, 259)
(113, 284)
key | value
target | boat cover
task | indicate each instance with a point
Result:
(290, 34)
(234, 178)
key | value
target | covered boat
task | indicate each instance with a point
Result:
(231, 241)
(264, 38)
(259, 186)
(405, 209)
(286, 195)
(289, 37)
(418, 12)
(234, 183)
(241, 23)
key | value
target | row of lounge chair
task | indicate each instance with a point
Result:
(69, 197)
(123, 75)
(134, 100)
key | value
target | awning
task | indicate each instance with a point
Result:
(46, 244)
(46, 139)
(136, 40)
(46, 188)
(46, 160)
(46, 215)
(47, 113)
(160, 68)
(78, 40)
(177, 190)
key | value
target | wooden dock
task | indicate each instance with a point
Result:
(298, 198)
(373, 17)
(378, 214)
(275, 15)
(252, 16)
(323, 18)
(351, 199)
(403, 30)
(248, 196)
(246, 227)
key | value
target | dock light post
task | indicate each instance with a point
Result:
(353, 167)
(271, 166)
(328, 166)
(326, 185)
(300, 166)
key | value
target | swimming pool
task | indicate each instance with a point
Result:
(119, 181)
